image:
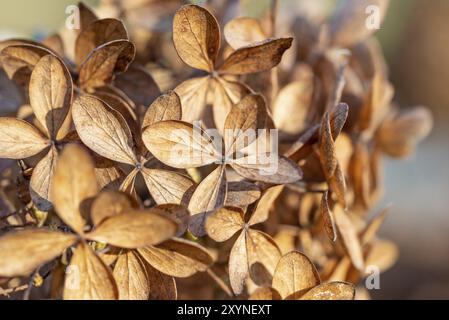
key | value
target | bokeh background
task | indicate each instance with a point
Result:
(415, 38)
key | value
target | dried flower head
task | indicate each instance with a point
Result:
(120, 191)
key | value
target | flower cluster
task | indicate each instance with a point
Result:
(146, 157)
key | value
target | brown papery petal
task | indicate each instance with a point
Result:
(100, 128)
(102, 64)
(108, 174)
(338, 119)
(226, 94)
(177, 257)
(135, 229)
(241, 194)
(382, 254)
(303, 146)
(165, 107)
(42, 180)
(196, 36)
(19, 139)
(180, 144)
(398, 136)
(18, 61)
(167, 186)
(262, 209)
(208, 196)
(22, 252)
(96, 34)
(268, 168)
(74, 183)
(263, 257)
(193, 94)
(292, 106)
(243, 122)
(132, 277)
(87, 16)
(331, 291)
(257, 57)
(328, 218)
(327, 148)
(238, 264)
(295, 274)
(349, 237)
(162, 286)
(18, 42)
(88, 278)
(224, 223)
(124, 108)
(129, 184)
(242, 32)
(177, 212)
(51, 93)
(329, 162)
(265, 293)
(108, 204)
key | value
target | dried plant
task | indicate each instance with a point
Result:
(118, 189)
(163, 140)
(196, 36)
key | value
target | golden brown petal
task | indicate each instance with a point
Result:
(242, 32)
(167, 186)
(331, 291)
(24, 251)
(19, 139)
(349, 237)
(74, 183)
(257, 57)
(42, 180)
(88, 278)
(224, 223)
(135, 229)
(328, 218)
(132, 278)
(104, 62)
(180, 144)
(96, 34)
(108, 204)
(177, 257)
(193, 94)
(103, 130)
(165, 107)
(196, 36)
(208, 196)
(295, 274)
(51, 93)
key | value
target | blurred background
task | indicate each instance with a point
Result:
(415, 38)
